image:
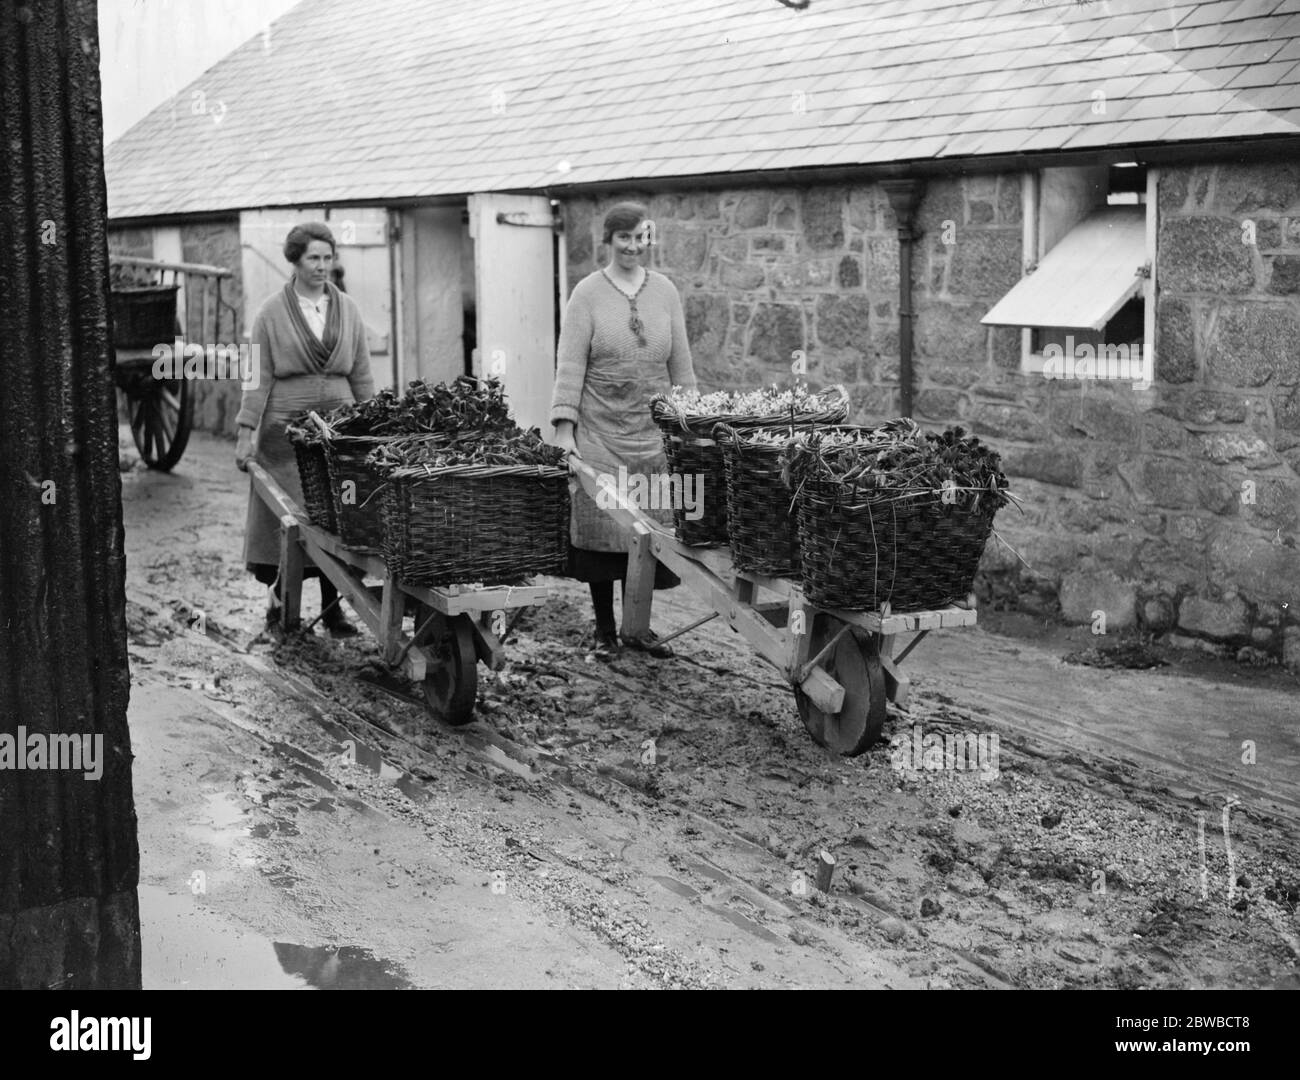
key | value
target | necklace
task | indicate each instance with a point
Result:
(634, 323)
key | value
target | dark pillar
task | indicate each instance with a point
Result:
(904, 196)
(69, 864)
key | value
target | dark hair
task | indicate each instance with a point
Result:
(623, 217)
(300, 236)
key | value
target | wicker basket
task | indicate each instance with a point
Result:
(485, 523)
(691, 450)
(761, 521)
(144, 317)
(306, 434)
(314, 475)
(357, 515)
(858, 553)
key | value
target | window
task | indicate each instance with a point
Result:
(1089, 286)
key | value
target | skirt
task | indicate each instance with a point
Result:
(289, 398)
(594, 566)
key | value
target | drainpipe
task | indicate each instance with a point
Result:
(904, 196)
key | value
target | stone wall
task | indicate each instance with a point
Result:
(1134, 504)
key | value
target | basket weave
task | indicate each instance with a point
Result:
(761, 521)
(360, 523)
(691, 450)
(144, 317)
(857, 553)
(314, 475)
(486, 523)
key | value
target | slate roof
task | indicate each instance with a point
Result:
(361, 101)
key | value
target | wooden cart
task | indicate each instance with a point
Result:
(841, 664)
(148, 313)
(454, 627)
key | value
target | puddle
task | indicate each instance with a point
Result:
(679, 887)
(348, 967)
(186, 945)
(272, 828)
(224, 822)
(745, 923)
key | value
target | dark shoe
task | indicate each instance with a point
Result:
(605, 645)
(337, 624)
(649, 643)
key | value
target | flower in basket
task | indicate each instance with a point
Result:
(466, 404)
(498, 448)
(771, 401)
(900, 461)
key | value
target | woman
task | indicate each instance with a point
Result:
(311, 346)
(623, 339)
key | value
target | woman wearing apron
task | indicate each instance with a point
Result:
(310, 344)
(623, 340)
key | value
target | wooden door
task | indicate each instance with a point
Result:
(361, 233)
(433, 296)
(514, 268)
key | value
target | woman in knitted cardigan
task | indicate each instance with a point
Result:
(622, 340)
(311, 346)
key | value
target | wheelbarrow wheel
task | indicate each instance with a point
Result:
(854, 663)
(161, 413)
(451, 682)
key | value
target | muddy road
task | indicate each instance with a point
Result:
(658, 823)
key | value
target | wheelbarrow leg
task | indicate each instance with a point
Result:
(290, 573)
(897, 685)
(639, 593)
(392, 607)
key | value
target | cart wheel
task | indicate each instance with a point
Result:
(451, 683)
(854, 663)
(161, 412)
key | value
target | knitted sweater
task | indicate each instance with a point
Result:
(280, 353)
(596, 335)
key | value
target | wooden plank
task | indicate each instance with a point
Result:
(516, 304)
(798, 627)
(638, 598)
(745, 590)
(955, 616)
(614, 502)
(357, 594)
(1082, 281)
(823, 691)
(370, 564)
(928, 620)
(415, 664)
(290, 572)
(475, 601)
(391, 609)
(273, 494)
(777, 585)
(716, 559)
(898, 687)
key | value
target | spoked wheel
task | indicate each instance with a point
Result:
(451, 682)
(161, 412)
(854, 663)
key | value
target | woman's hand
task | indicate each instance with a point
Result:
(244, 448)
(565, 440)
(564, 437)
